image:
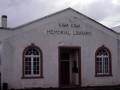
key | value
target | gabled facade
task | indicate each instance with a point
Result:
(62, 49)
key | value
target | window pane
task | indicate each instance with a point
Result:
(32, 51)
(32, 62)
(36, 65)
(99, 65)
(102, 62)
(27, 65)
(106, 65)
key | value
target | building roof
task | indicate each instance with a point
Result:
(56, 14)
(117, 29)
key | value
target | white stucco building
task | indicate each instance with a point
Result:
(62, 49)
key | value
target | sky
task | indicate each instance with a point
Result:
(106, 12)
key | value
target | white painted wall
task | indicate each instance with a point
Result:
(18, 40)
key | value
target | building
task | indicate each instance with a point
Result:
(66, 48)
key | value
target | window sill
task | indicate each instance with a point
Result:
(103, 75)
(31, 77)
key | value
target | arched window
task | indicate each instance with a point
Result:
(103, 62)
(32, 62)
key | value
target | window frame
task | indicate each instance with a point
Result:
(109, 62)
(40, 63)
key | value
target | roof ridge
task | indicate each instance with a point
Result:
(69, 8)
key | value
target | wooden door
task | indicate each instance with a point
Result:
(64, 73)
(64, 69)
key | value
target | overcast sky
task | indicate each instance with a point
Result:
(19, 12)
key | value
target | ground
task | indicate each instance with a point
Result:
(84, 88)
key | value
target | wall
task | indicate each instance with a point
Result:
(41, 35)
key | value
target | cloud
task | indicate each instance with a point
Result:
(23, 11)
(111, 21)
(103, 11)
(100, 9)
(20, 12)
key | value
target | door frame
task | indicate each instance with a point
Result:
(79, 61)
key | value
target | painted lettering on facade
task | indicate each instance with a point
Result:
(68, 32)
(58, 32)
(65, 25)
